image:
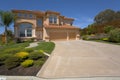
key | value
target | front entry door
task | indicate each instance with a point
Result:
(39, 35)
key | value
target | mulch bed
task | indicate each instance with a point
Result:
(19, 71)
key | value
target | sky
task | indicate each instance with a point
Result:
(83, 11)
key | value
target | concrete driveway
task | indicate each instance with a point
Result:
(76, 59)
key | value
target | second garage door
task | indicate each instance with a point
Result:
(72, 36)
(58, 36)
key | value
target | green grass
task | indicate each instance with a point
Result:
(47, 47)
(13, 48)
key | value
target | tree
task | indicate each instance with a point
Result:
(91, 29)
(117, 15)
(107, 29)
(114, 35)
(105, 16)
(7, 18)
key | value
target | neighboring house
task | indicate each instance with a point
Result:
(47, 26)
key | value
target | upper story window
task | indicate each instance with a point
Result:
(30, 16)
(71, 23)
(25, 15)
(53, 19)
(39, 22)
(66, 22)
(19, 15)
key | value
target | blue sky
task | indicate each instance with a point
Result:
(83, 11)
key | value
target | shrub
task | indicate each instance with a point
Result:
(85, 37)
(105, 39)
(95, 37)
(27, 63)
(11, 50)
(39, 63)
(12, 62)
(29, 50)
(36, 55)
(22, 55)
(114, 35)
(41, 51)
(107, 29)
(3, 57)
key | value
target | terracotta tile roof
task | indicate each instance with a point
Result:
(28, 11)
(41, 13)
(62, 27)
(52, 12)
(66, 18)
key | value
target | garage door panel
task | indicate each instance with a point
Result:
(58, 36)
(72, 35)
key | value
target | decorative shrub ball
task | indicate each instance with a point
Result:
(22, 55)
(41, 51)
(27, 63)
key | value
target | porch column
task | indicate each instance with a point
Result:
(67, 35)
(33, 33)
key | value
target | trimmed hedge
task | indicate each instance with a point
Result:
(12, 62)
(22, 55)
(36, 55)
(12, 50)
(27, 63)
(39, 63)
(3, 57)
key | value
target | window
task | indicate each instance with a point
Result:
(25, 30)
(25, 15)
(71, 23)
(39, 22)
(50, 19)
(29, 32)
(30, 16)
(53, 19)
(19, 15)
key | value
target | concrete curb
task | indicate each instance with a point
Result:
(36, 78)
(45, 65)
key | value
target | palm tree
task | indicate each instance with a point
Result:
(7, 19)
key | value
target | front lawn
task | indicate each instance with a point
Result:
(15, 59)
(47, 47)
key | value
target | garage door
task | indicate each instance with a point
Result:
(58, 36)
(72, 36)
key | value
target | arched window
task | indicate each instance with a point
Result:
(25, 30)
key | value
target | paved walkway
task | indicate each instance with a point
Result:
(34, 44)
(78, 59)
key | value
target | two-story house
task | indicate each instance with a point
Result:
(47, 25)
